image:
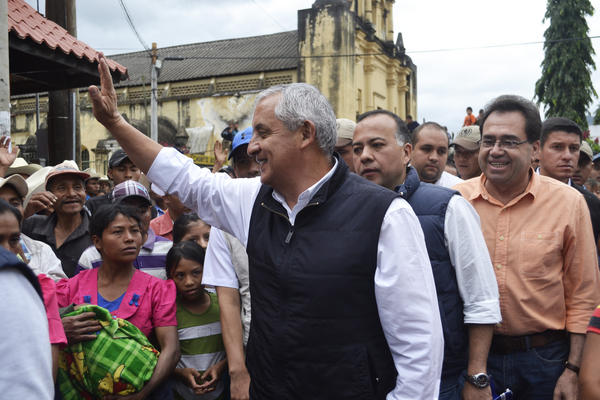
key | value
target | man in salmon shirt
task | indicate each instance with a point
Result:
(539, 236)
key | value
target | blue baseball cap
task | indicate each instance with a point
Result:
(240, 139)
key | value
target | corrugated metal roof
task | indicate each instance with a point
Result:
(273, 52)
(28, 23)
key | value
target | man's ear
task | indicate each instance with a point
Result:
(407, 149)
(536, 148)
(109, 174)
(308, 132)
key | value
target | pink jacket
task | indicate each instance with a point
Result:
(148, 302)
(55, 327)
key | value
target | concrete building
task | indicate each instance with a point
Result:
(346, 48)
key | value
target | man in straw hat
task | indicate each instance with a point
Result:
(66, 229)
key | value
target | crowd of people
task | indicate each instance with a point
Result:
(333, 259)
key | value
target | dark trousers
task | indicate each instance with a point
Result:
(532, 374)
(451, 387)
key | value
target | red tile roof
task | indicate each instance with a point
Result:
(26, 22)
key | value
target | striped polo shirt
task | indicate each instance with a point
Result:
(201, 345)
(151, 260)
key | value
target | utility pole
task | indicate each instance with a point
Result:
(62, 127)
(4, 71)
(153, 94)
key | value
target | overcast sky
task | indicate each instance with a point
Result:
(448, 81)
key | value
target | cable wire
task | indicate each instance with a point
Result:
(283, 57)
(270, 16)
(132, 26)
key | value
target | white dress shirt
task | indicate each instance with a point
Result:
(471, 260)
(404, 285)
(448, 180)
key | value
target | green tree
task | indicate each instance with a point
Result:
(597, 116)
(565, 87)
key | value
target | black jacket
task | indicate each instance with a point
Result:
(593, 203)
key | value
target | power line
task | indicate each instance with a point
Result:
(493, 46)
(132, 26)
(283, 57)
(269, 15)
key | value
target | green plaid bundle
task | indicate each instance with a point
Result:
(119, 361)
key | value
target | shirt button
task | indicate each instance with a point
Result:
(501, 237)
(498, 266)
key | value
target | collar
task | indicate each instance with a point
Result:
(49, 223)
(537, 171)
(411, 183)
(532, 188)
(312, 193)
(88, 289)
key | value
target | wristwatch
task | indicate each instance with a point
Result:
(572, 367)
(480, 380)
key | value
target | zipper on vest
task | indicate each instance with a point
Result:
(288, 238)
(276, 212)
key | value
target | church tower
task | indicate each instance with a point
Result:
(347, 50)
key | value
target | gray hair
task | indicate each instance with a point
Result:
(301, 102)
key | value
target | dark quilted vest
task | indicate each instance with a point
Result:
(315, 331)
(429, 202)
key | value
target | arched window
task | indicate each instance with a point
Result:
(85, 158)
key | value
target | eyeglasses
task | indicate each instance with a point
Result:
(502, 143)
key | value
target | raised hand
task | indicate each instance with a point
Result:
(220, 156)
(6, 157)
(104, 101)
(38, 202)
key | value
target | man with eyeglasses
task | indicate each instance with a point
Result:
(540, 239)
(560, 145)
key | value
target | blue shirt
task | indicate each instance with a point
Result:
(111, 306)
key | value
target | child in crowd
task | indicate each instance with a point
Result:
(202, 360)
(191, 227)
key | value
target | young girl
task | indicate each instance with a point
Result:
(191, 227)
(202, 360)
